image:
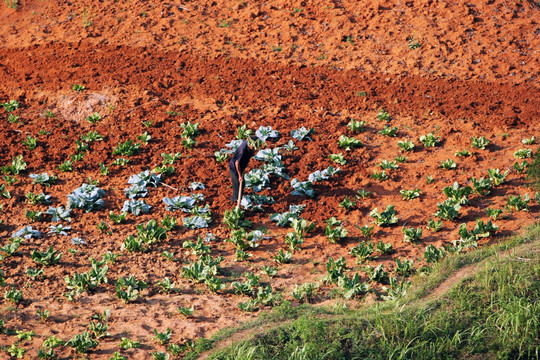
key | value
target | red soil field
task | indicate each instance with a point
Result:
(456, 69)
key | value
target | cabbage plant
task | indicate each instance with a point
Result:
(86, 197)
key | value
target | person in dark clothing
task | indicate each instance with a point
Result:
(238, 165)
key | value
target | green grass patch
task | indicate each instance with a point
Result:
(493, 313)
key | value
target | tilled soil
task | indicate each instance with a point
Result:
(226, 64)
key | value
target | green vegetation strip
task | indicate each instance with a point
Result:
(492, 313)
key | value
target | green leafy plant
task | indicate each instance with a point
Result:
(120, 162)
(98, 329)
(35, 199)
(25, 335)
(243, 132)
(366, 230)
(43, 179)
(270, 271)
(169, 256)
(378, 274)
(250, 305)
(92, 136)
(412, 235)
(11, 246)
(66, 166)
(458, 194)
(349, 143)
(406, 145)
(17, 166)
(334, 231)
(11, 105)
(200, 248)
(401, 158)
(191, 130)
(294, 241)
(481, 186)
(496, 176)
(53, 342)
(410, 194)
(78, 87)
(338, 158)
(357, 125)
(5, 193)
(388, 165)
(117, 356)
(34, 274)
(305, 292)
(166, 286)
(164, 337)
(127, 148)
(301, 226)
(235, 219)
(404, 267)
(347, 204)
(463, 152)
(386, 218)
(521, 168)
(479, 142)
(46, 258)
(144, 138)
(448, 164)
(10, 180)
(13, 295)
(185, 311)
(30, 142)
(397, 289)
(77, 157)
(529, 141)
(13, 119)
(389, 131)
(127, 344)
(103, 227)
(413, 43)
(363, 193)
(283, 257)
(221, 156)
(518, 203)
(380, 176)
(434, 225)
(448, 209)
(15, 351)
(127, 289)
(493, 213)
(93, 118)
(81, 146)
(363, 251)
(151, 232)
(383, 115)
(169, 159)
(49, 114)
(117, 219)
(384, 248)
(82, 342)
(432, 254)
(523, 153)
(430, 140)
(351, 287)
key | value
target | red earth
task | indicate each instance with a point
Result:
(455, 69)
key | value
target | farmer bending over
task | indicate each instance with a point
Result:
(238, 165)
